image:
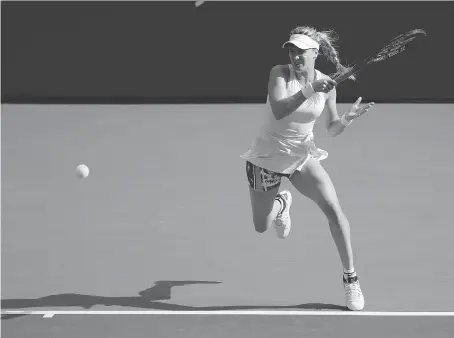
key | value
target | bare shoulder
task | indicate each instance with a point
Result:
(280, 71)
(279, 75)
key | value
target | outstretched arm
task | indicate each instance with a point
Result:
(336, 125)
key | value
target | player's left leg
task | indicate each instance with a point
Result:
(314, 182)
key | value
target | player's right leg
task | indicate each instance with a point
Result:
(266, 203)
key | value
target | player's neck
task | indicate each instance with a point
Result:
(305, 76)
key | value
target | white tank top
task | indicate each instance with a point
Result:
(302, 120)
(285, 145)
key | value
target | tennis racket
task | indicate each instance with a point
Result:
(394, 47)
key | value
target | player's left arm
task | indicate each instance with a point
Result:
(335, 124)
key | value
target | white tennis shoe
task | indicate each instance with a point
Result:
(353, 293)
(283, 223)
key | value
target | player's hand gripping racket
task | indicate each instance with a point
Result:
(394, 47)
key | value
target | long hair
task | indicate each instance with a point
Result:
(328, 49)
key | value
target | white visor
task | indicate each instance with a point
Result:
(302, 41)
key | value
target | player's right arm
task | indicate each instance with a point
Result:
(281, 104)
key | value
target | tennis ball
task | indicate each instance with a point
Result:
(82, 171)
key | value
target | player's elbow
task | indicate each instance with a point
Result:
(332, 130)
(278, 115)
(279, 110)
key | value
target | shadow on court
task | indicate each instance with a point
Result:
(13, 316)
(147, 299)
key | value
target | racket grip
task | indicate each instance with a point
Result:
(343, 77)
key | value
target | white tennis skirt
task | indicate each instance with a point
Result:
(283, 155)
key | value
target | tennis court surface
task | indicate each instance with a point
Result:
(158, 240)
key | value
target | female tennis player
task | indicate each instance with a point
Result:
(297, 95)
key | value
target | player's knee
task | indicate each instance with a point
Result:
(261, 224)
(261, 229)
(334, 213)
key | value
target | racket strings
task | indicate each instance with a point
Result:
(395, 46)
(393, 49)
(403, 39)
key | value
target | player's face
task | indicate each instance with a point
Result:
(302, 59)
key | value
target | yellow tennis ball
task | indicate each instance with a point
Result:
(82, 171)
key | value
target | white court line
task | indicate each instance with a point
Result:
(50, 314)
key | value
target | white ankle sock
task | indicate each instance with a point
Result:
(350, 273)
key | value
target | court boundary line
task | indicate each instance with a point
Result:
(51, 314)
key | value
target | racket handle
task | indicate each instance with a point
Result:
(343, 77)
